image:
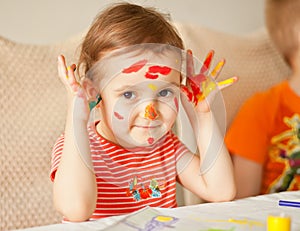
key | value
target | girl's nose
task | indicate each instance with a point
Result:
(150, 112)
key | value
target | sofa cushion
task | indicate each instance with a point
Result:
(32, 116)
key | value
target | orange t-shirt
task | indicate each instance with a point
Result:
(267, 131)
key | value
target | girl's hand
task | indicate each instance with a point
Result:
(77, 98)
(201, 88)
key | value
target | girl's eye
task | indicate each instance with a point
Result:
(165, 93)
(129, 95)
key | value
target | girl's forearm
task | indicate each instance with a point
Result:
(75, 189)
(215, 163)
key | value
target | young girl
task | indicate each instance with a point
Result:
(129, 159)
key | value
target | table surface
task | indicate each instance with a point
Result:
(245, 214)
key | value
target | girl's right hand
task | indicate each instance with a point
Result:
(77, 98)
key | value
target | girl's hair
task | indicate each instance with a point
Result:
(283, 23)
(123, 25)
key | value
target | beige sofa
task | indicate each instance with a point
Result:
(32, 102)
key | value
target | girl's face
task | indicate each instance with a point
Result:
(139, 105)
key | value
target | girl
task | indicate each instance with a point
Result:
(129, 159)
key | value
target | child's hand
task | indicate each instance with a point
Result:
(76, 96)
(200, 89)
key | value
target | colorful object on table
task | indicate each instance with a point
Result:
(278, 223)
(290, 203)
(93, 104)
(139, 191)
(150, 112)
(135, 67)
(160, 222)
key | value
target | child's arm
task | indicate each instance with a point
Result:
(210, 176)
(74, 189)
(212, 180)
(248, 175)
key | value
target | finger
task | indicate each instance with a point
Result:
(187, 92)
(218, 68)
(207, 62)
(61, 66)
(71, 77)
(189, 64)
(227, 82)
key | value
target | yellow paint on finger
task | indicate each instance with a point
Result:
(227, 81)
(218, 67)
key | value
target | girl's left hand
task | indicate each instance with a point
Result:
(201, 88)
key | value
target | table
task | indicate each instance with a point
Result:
(245, 214)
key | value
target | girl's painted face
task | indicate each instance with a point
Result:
(140, 104)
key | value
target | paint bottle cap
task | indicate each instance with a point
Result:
(279, 222)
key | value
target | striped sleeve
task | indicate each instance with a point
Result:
(180, 148)
(56, 155)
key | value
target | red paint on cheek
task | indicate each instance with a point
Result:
(176, 103)
(118, 116)
(135, 67)
(164, 70)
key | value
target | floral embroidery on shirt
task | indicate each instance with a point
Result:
(139, 191)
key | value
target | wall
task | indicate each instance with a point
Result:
(50, 21)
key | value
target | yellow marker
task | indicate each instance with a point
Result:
(278, 223)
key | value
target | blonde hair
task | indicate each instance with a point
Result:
(123, 25)
(283, 23)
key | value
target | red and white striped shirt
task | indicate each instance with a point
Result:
(130, 180)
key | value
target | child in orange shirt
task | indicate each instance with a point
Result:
(264, 138)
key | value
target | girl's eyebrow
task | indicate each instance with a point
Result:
(136, 87)
(124, 87)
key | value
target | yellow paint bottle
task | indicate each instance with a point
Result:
(278, 223)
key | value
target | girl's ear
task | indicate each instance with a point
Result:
(89, 88)
(92, 93)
